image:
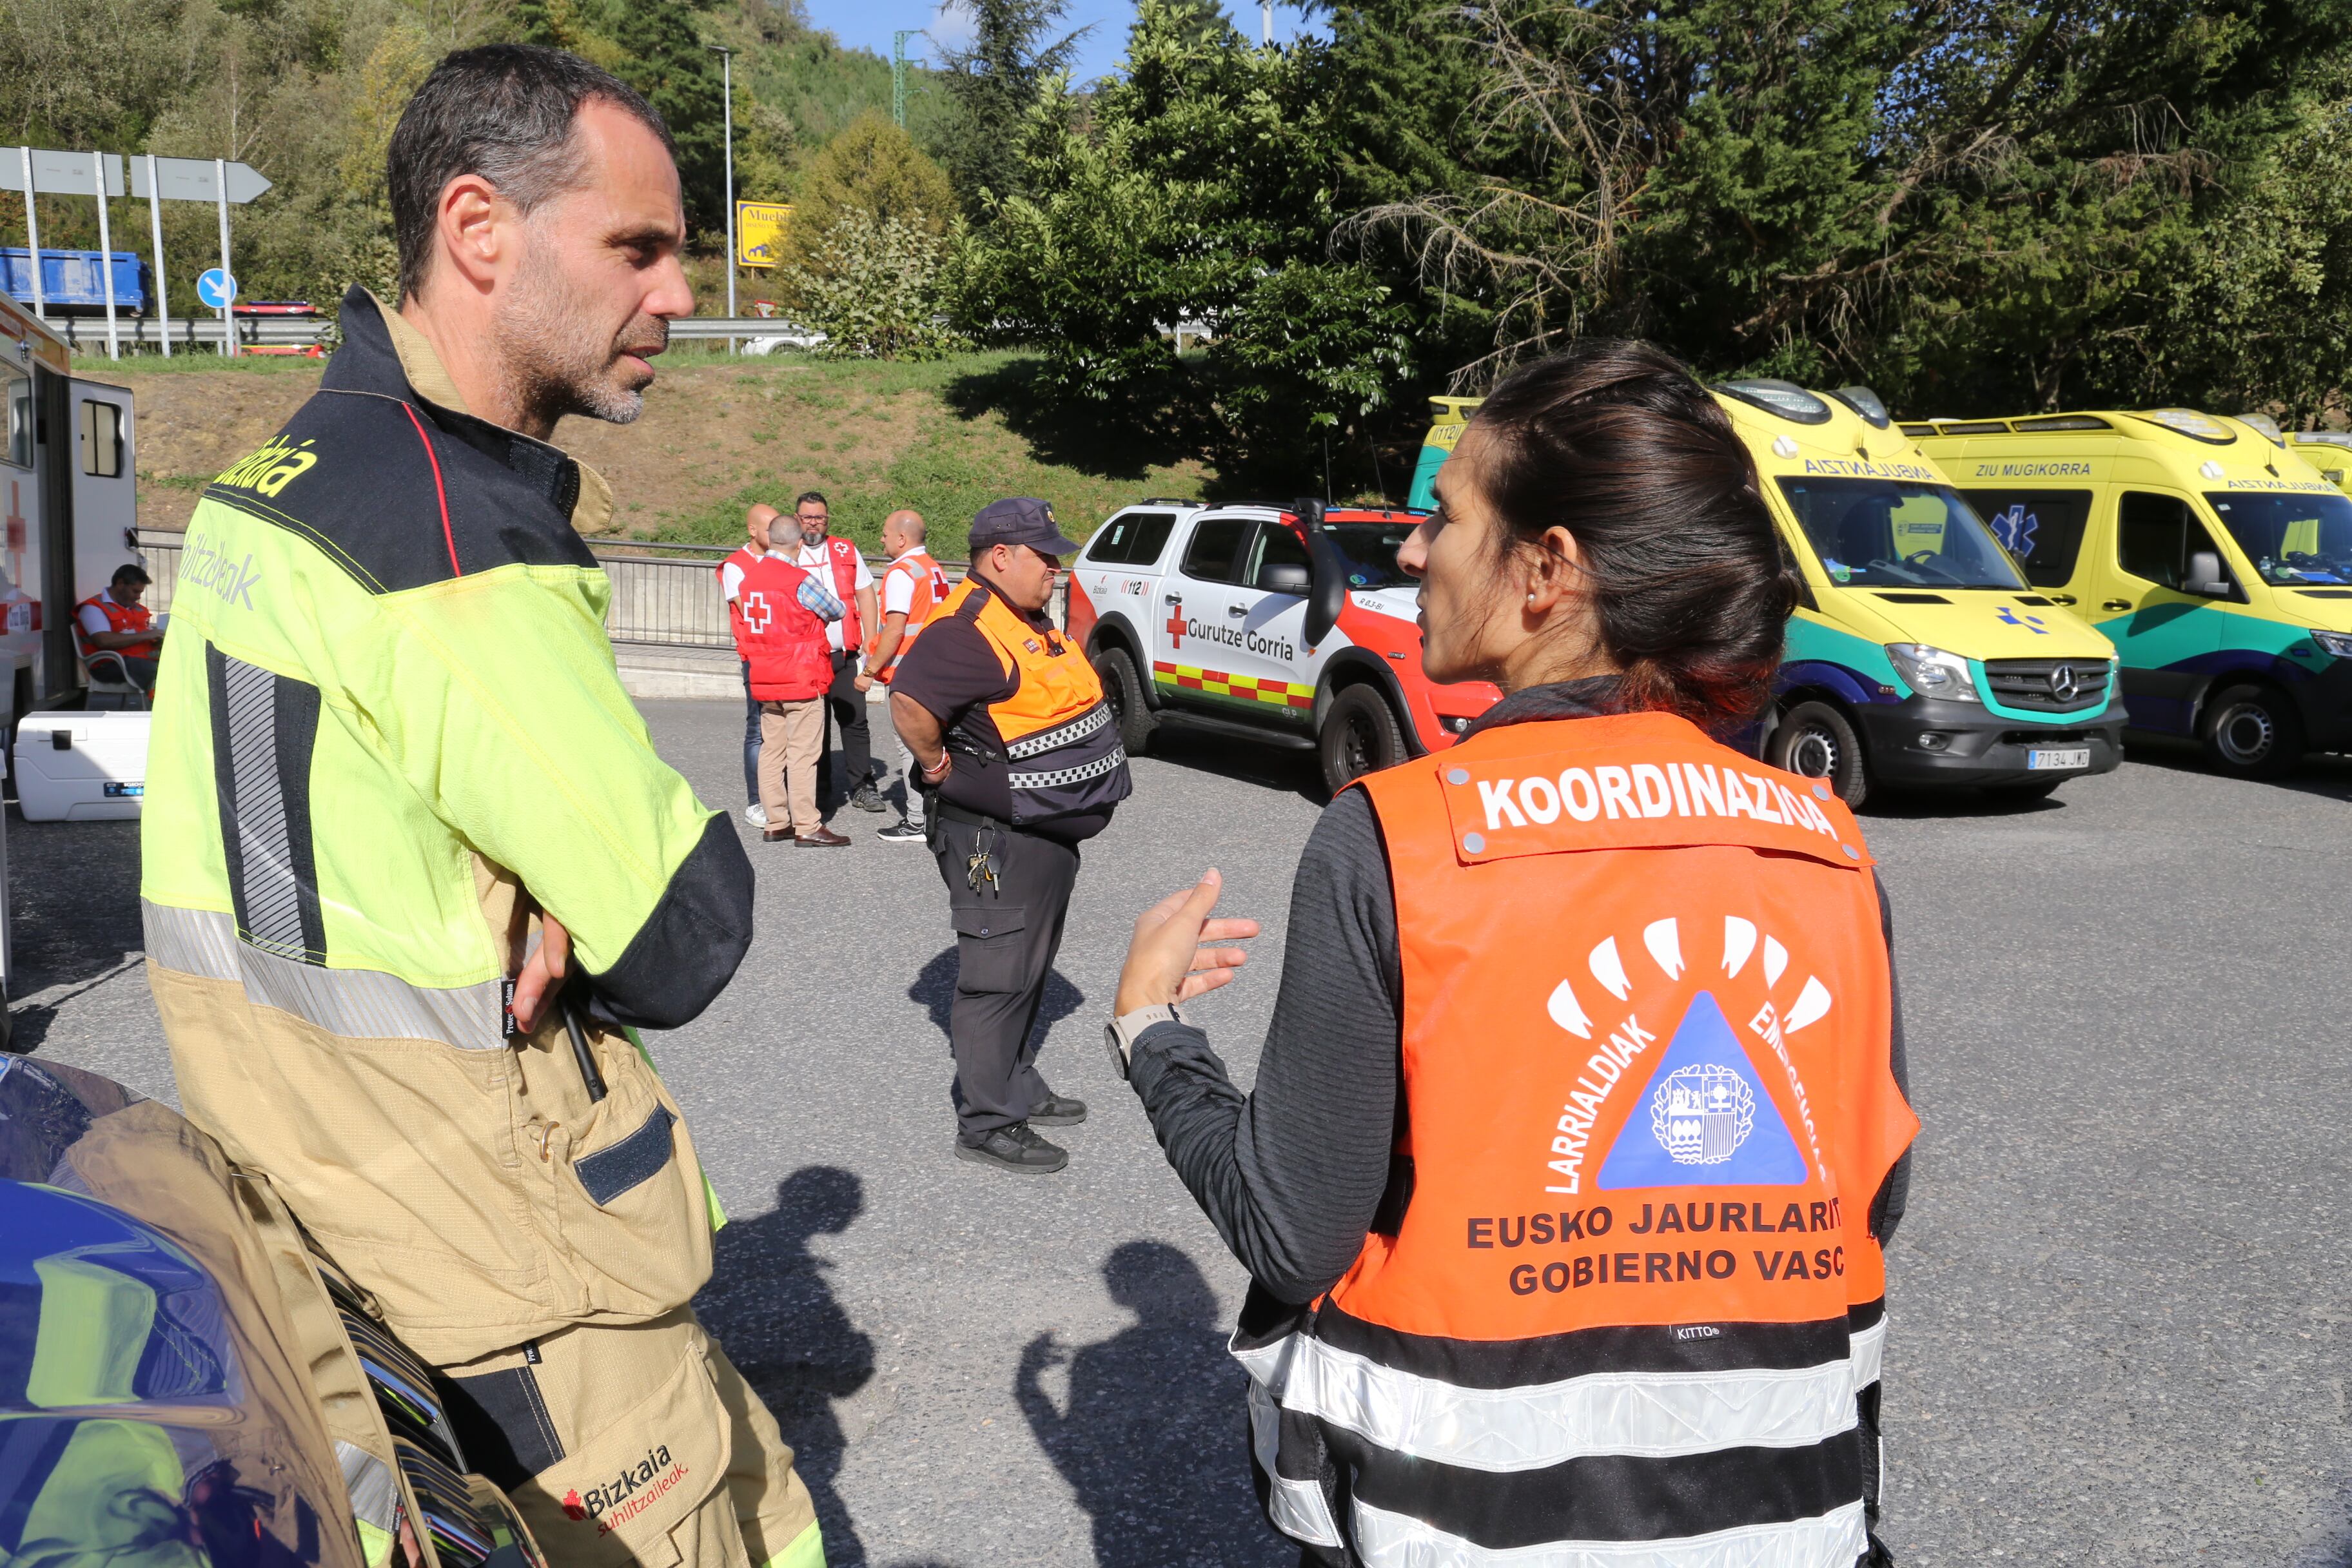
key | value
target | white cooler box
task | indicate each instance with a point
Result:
(81, 767)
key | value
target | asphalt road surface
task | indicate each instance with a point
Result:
(2119, 1303)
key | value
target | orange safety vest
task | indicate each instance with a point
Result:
(1635, 1297)
(780, 638)
(1057, 739)
(931, 589)
(119, 619)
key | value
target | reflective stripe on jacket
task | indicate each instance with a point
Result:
(929, 591)
(387, 729)
(1058, 740)
(1633, 1300)
(781, 637)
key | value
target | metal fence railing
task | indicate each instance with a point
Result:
(662, 594)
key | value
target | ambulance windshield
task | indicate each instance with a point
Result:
(2291, 538)
(1370, 548)
(1885, 533)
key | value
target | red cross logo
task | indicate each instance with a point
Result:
(755, 611)
(1176, 624)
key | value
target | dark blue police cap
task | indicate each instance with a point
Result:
(1019, 519)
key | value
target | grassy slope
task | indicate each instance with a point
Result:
(944, 438)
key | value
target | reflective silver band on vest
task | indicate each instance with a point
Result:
(1045, 740)
(1639, 1415)
(1060, 776)
(1298, 1508)
(360, 1004)
(375, 1496)
(1833, 1540)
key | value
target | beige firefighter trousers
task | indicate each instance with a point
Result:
(648, 1450)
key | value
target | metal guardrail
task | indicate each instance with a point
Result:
(665, 595)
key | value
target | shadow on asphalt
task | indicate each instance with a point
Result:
(73, 889)
(1151, 1435)
(771, 1305)
(934, 988)
(1268, 767)
(2326, 775)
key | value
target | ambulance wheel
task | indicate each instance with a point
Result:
(1817, 742)
(1360, 735)
(1123, 689)
(2251, 732)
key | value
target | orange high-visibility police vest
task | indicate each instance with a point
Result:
(1058, 740)
(929, 590)
(1633, 1297)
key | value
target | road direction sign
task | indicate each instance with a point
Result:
(192, 180)
(216, 289)
(57, 174)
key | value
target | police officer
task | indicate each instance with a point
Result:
(1020, 758)
(395, 783)
(1578, 1128)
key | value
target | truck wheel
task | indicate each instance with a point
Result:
(2251, 732)
(1360, 735)
(1123, 689)
(1816, 742)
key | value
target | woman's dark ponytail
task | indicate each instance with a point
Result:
(1616, 442)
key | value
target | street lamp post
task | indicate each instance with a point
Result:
(727, 99)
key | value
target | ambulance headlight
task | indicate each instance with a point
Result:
(2337, 644)
(1932, 673)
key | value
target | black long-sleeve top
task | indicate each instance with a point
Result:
(1295, 1174)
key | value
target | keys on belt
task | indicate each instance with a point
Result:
(980, 869)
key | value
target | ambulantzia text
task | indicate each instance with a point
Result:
(1236, 636)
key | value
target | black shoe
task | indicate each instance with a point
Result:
(902, 832)
(1014, 1149)
(867, 798)
(1058, 1111)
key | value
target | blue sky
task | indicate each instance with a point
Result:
(869, 24)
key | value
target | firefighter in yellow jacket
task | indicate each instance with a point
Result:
(1019, 759)
(397, 799)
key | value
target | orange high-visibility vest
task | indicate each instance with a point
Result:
(119, 619)
(1058, 740)
(930, 591)
(1633, 1297)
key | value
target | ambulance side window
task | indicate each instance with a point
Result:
(1215, 544)
(2043, 528)
(2155, 535)
(19, 392)
(1131, 539)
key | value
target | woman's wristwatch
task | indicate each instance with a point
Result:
(1122, 1033)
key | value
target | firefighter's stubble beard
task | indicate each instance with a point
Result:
(557, 357)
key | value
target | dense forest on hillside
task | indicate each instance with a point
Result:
(1973, 206)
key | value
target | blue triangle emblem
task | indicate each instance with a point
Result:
(1704, 1120)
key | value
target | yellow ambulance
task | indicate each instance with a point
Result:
(2217, 559)
(1919, 656)
(2329, 451)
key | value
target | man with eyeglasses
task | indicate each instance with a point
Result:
(1019, 758)
(838, 563)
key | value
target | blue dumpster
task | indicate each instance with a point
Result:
(71, 278)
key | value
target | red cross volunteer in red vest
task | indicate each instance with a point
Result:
(756, 524)
(114, 621)
(843, 570)
(1580, 1123)
(780, 614)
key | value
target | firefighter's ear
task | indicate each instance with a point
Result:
(478, 231)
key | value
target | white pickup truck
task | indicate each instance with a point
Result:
(1285, 624)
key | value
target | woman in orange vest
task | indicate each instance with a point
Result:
(1580, 1123)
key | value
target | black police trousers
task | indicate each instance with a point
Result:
(1006, 935)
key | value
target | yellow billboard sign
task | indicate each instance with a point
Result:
(760, 233)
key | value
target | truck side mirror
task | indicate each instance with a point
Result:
(1328, 593)
(2205, 576)
(1286, 577)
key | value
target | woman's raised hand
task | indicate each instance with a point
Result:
(1169, 961)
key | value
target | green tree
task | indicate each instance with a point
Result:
(995, 82)
(872, 285)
